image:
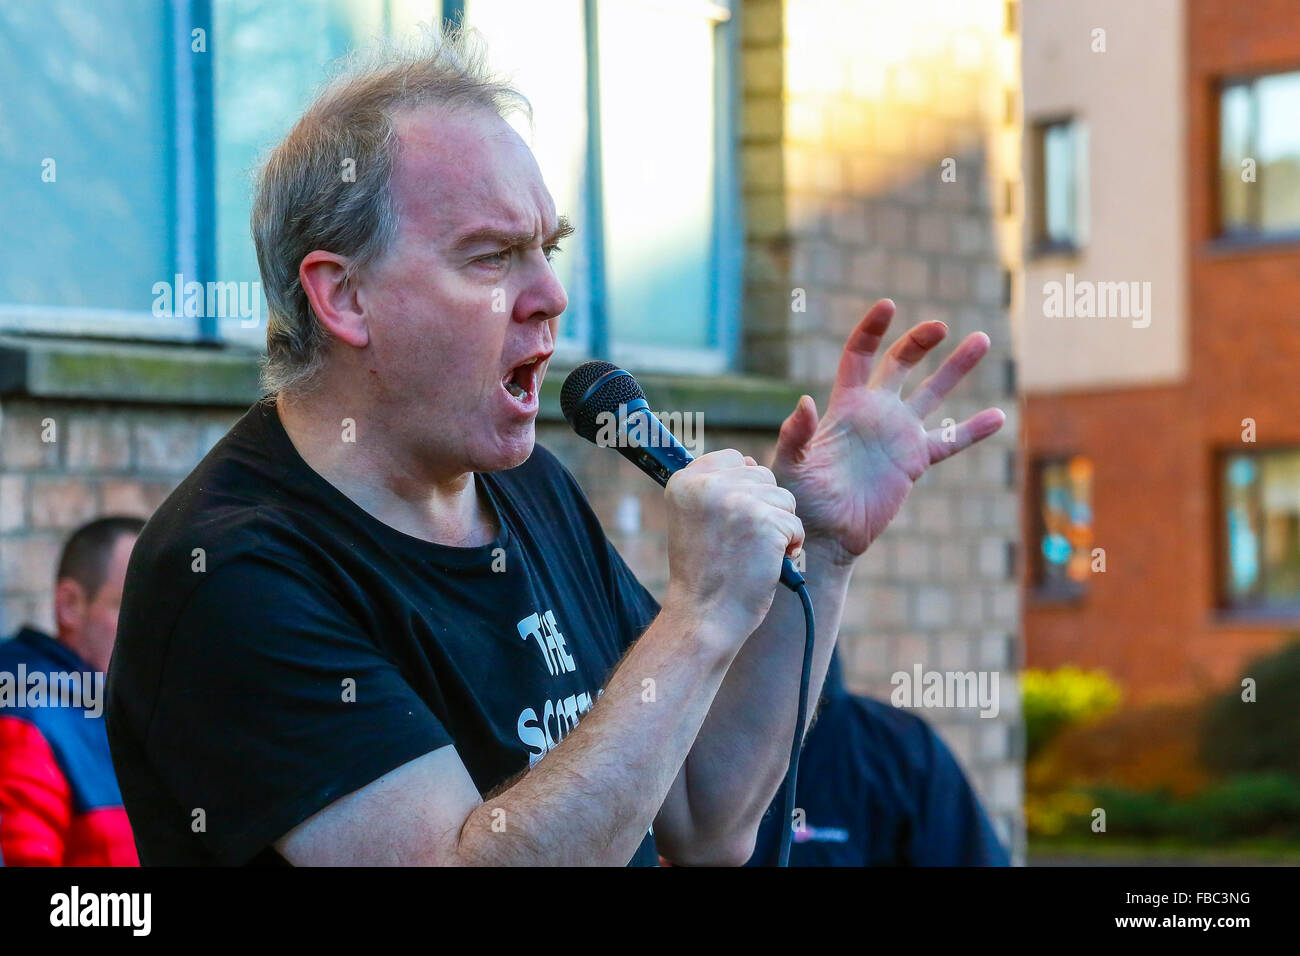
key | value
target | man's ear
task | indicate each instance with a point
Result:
(70, 602)
(336, 305)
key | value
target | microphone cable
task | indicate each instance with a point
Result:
(598, 388)
(792, 773)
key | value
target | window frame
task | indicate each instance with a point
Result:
(1042, 592)
(726, 243)
(192, 195)
(1224, 604)
(1220, 235)
(1039, 244)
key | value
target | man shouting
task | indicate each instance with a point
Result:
(379, 625)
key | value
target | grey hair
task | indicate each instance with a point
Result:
(306, 200)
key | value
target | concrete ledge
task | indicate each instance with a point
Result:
(127, 372)
(154, 374)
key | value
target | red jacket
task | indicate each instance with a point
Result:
(59, 801)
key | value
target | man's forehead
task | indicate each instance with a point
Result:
(465, 169)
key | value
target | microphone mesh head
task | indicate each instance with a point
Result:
(583, 415)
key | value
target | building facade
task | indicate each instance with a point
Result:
(1159, 337)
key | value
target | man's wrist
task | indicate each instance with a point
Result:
(827, 555)
(700, 624)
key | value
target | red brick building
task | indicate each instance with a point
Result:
(1173, 447)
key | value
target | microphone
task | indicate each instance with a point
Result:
(601, 397)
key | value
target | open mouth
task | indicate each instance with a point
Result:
(521, 383)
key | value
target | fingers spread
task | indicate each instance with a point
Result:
(946, 442)
(903, 355)
(930, 393)
(797, 430)
(855, 363)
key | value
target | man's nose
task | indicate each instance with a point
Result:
(543, 297)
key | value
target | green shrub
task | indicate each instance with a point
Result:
(1244, 807)
(1054, 700)
(1249, 805)
(1262, 736)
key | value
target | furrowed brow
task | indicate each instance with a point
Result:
(562, 231)
(490, 235)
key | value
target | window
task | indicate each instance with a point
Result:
(86, 170)
(136, 126)
(1064, 507)
(640, 157)
(1060, 154)
(1260, 531)
(268, 61)
(1259, 156)
(153, 141)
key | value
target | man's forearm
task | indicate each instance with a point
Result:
(592, 798)
(743, 749)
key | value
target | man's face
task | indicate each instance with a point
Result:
(89, 622)
(466, 294)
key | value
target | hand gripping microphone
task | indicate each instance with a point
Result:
(597, 396)
(605, 405)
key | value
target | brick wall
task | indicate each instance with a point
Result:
(63, 463)
(850, 111)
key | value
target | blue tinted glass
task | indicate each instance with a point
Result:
(84, 86)
(658, 148)
(269, 59)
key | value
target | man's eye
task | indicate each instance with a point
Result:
(497, 258)
(552, 252)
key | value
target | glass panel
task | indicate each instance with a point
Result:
(541, 48)
(1262, 528)
(1066, 509)
(1241, 527)
(269, 59)
(1235, 137)
(1279, 152)
(86, 87)
(657, 144)
(1060, 175)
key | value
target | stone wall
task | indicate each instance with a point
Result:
(63, 463)
(852, 115)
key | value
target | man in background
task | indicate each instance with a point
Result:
(877, 787)
(59, 800)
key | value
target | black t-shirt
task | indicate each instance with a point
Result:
(279, 647)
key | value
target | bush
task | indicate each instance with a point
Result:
(1263, 736)
(1250, 805)
(1054, 700)
(1245, 807)
(1148, 747)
